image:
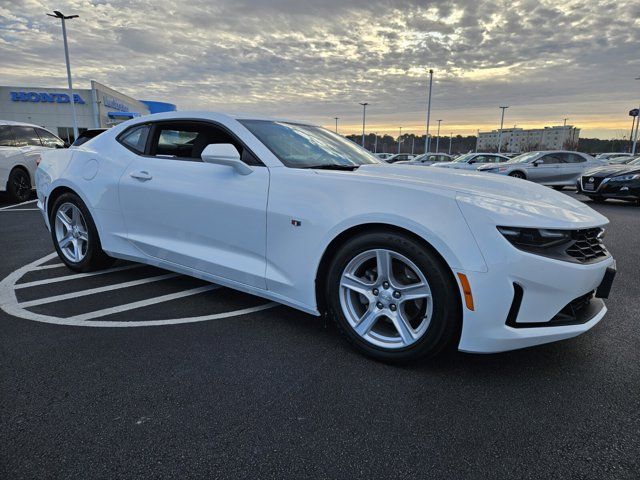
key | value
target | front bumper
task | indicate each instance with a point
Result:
(628, 190)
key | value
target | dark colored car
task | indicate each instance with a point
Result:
(87, 135)
(613, 181)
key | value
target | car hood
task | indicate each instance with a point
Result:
(536, 202)
(610, 170)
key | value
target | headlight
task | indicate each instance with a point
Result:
(625, 178)
(533, 239)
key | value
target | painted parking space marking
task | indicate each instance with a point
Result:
(10, 207)
(93, 291)
(10, 304)
(75, 276)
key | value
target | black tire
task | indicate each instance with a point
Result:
(444, 329)
(558, 187)
(518, 174)
(95, 258)
(19, 185)
(598, 199)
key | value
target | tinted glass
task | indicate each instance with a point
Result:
(574, 158)
(6, 137)
(136, 138)
(305, 146)
(552, 158)
(26, 136)
(48, 139)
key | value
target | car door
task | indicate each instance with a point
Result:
(199, 215)
(478, 161)
(29, 146)
(545, 169)
(10, 155)
(572, 167)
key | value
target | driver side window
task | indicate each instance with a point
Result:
(552, 159)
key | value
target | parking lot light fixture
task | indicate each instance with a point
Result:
(635, 138)
(438, 137)
(375, 143)
(427, 138)
(364, 115)
(399, 139)
(450, 140)
(503, 108)
(63, 18)
(336, 119)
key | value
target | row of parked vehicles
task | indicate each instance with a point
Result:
(608, 175)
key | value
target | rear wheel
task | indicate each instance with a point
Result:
(392, 298)
(75, 236)
(517, 174)
(19, 185)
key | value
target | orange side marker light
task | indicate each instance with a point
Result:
(466, 289)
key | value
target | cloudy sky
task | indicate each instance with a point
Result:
(316, 60)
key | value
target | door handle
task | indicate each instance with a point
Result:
(141, 175)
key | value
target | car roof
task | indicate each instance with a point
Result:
(203, 114)
(18, 124)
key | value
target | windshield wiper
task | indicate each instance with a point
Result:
(332, 166)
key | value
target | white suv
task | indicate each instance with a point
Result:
(20, 148)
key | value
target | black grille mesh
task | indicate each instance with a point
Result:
(587, 245)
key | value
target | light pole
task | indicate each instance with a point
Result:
(477, 140)
(633, 125)
(399, 139)
(413, 143)
(450, 140)
(375, 143)
(336, 119)
(565, 122)
(57, 14)
(427, 138)
(364, 115)
(501, 124)
(438, 137)
(635, 138)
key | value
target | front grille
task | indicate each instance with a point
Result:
(596, 181)
(587, 245)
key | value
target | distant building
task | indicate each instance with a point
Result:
(518, 140)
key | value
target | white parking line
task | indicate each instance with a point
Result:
(91, 291)
(75, 276)
(142, 303)
(53, 265)
(8, 207)
(22, 210)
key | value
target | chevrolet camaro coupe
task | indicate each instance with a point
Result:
(407, 260)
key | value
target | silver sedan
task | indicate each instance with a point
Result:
(554, 168)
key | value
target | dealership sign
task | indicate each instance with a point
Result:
(43, 97)
(114, 103)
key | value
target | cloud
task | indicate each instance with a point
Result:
(315, 60)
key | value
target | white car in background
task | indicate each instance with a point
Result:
(407, 260)
(427, 159)
(556, 168)
(399, 157)
(20, 147)
(383, 156)
(471, 161)
(614, 157)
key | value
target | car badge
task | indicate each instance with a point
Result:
(591, 180)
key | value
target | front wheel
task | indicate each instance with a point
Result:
(392, 298)
(517, 175)
(19, 185)
(75, 236)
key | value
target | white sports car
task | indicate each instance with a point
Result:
(407, 260)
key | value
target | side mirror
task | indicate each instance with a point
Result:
(538, 162)
(225, 154)
(65, 145)
(471, 162)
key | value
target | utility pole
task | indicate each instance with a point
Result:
(336, 118)
(438, 137)
(427, 138)
(450, 140)
(57, 14)
(364, 115)
(399, 139)
(501, 124)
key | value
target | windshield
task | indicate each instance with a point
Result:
(464, 158)
(307, 146)
(525, 157)
(635, 162)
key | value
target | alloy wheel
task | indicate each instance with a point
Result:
(386, 298)
(71, 232)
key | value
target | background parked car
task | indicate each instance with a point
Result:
(554, 168)
(87, 135)
(383, 156)
(611, 156)
(471, 161)
(612, 181)
(427, 159)
(20, 147)
(399, 157)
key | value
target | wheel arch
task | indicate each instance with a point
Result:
(520, 171)
(20, 166)
(341, 238)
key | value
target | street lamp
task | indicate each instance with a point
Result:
(399, 139)
(635, 138)
(336, 119)
(364, 114)
(57, 14)
(438, 137)
(375, 143)
(427, 138)
(501, 124)
(450, 140)
(565, 122)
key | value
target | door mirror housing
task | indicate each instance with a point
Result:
(538, 162)
(225, 154)
(472, 161)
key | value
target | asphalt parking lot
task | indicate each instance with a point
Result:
(139, 373)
